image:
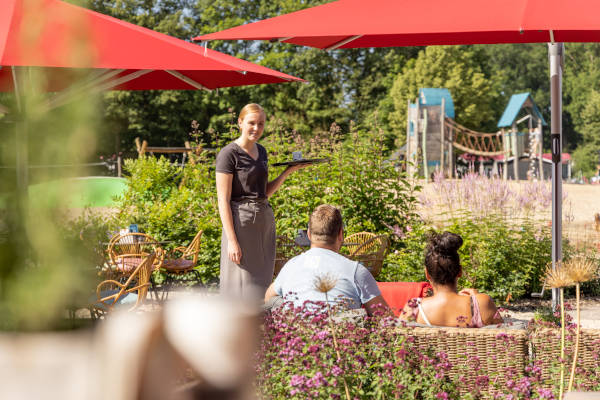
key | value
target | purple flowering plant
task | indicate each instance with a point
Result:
(297, 359)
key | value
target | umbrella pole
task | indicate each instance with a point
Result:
(21, 139)
(556, 58)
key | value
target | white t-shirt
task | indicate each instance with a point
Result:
(296, 281)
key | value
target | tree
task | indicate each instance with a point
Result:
(343, 85)
(457, 68)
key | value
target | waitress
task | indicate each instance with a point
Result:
(248, 239)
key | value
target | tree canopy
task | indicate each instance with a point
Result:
(368, 86)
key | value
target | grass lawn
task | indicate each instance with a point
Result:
(94, 191)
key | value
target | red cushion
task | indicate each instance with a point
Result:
(128, 264)
(397, 294)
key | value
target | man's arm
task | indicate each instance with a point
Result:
(270, 293)
(377, 303)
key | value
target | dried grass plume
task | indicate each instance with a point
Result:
(579, 269)
(557, 278)
(325, 283)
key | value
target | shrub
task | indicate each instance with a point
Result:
(172, 203)
(505, 247)
(586, 159)
(371, 193)
(497, 257)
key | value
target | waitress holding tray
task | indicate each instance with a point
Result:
(248, 239)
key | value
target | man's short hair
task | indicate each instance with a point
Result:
(325, 224)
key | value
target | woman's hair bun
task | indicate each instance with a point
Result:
(446, 243)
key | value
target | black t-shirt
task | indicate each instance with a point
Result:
(250, 176)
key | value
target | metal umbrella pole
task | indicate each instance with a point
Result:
(556, 58)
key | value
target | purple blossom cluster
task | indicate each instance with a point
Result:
(298, 359)
(482, 196)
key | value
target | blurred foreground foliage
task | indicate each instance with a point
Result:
(44, 271)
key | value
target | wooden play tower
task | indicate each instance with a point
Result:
(434, 138)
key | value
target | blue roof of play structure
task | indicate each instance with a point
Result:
(514, 107)
(433, 97)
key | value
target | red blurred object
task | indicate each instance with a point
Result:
(390, 23)
(397, 294)
(67, 40)
(564, 157)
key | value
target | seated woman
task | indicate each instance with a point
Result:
(467, 308)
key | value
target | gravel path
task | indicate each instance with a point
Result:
(524, 310)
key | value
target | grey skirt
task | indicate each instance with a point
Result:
(254, 225)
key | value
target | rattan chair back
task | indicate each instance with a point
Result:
(356, 240)
(183, 259)
(285, 249)
(193, 249)
(130, 248)
(371, 252)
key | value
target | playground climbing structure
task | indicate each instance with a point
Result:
(433, 137)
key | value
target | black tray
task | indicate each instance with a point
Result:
(298, 162)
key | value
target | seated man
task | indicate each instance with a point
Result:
(350, 281)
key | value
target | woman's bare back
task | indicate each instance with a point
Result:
(452, 309)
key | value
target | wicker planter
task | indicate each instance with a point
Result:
(545, 348)
(476, 352)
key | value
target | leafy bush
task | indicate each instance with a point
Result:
(371, 193)
(505, 248)
(497, 257)
(172, 203)
(586, 159)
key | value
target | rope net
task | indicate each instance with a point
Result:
(469, 141)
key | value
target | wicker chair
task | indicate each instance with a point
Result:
(354, 241)
(181, 260)
(475, 352)
(285, 249)
(370, 250)
(126, 252)
(111, 293)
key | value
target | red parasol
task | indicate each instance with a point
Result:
(67, 41)
(386, 23)
(63, 38)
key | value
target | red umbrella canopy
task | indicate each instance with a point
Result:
(65, 39)
(387, 23)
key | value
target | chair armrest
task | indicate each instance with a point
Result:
(119, 284)
(115, 295)
(173, 252)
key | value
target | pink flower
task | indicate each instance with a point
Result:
(297, 380)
